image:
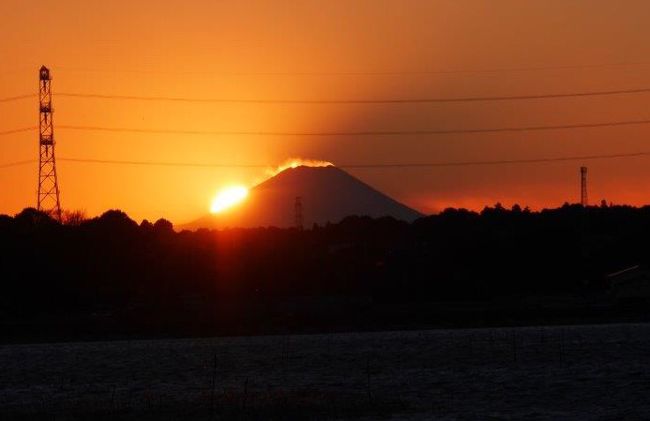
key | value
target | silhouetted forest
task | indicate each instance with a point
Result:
(111, 270)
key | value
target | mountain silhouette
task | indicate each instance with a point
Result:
(327, 194)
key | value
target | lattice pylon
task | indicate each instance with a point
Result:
(48, 187)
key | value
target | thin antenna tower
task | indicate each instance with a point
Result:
(297, 207)
(583, 186)
(48, 186)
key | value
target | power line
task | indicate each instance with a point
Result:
(341, 133)
(360, 133)
(161, 163)
(502, 161)
(18, 97)
(23, 129)
(358, 73)
(341, 101)
(368, 166)
(17, 163)
(356, 101)
(350, 165)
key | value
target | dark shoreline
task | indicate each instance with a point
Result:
(370, 318)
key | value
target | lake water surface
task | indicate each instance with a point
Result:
(587, 372)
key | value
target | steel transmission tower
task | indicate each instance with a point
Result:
(583, 186)
(297, 207)
(48, 186)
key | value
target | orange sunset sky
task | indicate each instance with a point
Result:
(353, 49)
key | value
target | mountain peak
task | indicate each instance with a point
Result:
(328, 194)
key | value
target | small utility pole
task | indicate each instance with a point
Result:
(297, 208)
(583, 187)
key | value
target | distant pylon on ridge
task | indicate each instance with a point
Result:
(48, 187)
(583, 187)
(298, 213)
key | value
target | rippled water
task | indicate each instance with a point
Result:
(534, 372)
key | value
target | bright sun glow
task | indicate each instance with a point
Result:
(228, 197)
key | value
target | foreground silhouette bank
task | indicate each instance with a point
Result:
(110, 276)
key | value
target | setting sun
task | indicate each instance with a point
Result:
(227, 198)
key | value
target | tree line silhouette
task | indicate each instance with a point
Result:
(112, 268)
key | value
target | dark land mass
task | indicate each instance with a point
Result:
(109, 277)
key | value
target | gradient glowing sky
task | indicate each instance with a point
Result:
(212, 49)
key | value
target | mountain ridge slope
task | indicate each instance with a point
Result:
(328, 194)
